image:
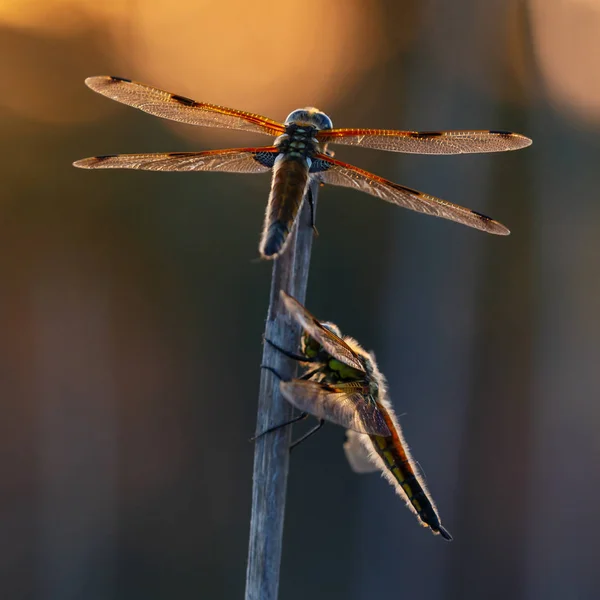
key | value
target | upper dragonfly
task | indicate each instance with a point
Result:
(298, 155)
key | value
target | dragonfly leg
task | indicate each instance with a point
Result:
(280, 426)
(311, 203)
(307, 434)
(278, 374)
(287, 353)
(309, 374)
(272, 370)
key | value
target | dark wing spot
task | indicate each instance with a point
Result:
(183, 100)
(266, 159)
(179, 154)
(503, 133)
(407, 189)
(484, 217)
(105, 157)
(330, 388)
(114, 78)
(426, 134)
(318, 165)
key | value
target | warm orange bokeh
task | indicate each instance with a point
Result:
(566, 39)
(58, 17)
(268, 57)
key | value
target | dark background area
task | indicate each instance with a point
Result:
(131, 307)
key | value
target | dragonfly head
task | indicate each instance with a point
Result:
(333, 328)
(309, 117)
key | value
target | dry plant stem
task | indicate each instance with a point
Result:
(271, 454)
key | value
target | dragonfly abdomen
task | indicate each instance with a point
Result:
(290, 180)
(401, 472)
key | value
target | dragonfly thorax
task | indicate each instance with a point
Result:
(373, 375)
(311, 348)
(300, 138)
(332, 369)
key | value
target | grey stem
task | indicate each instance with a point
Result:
(271, 453)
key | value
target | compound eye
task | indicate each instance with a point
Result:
(297, 115)
(323, 121)
(310, 117)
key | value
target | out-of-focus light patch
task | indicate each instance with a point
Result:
(268, 57)
(60, 17)
(39, 85)
(50, 46)
(566, 42)
(519, 83)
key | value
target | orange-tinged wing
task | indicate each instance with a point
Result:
(345, 404)
(332, 344)
(179, 108)
(426, 142)
(346, 175)
(233, 160)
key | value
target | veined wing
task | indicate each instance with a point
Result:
(427, 142)
(343, 174)
(232, 160)
(357, 454)
(179, 108)
(333, 345)
(345, 404)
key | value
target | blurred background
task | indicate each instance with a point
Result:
(131, 310)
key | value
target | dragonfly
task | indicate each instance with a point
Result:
(343, 385)
(298, 155)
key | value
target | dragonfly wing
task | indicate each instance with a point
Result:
(427, 142)
(233, 160)
(178, 108)
(333, 345)
(347, 404)
(357, 453)
(338, 173)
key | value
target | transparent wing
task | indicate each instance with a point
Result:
(333, 345)
(357, 454)
(233, 160)
(427, 142)
(345, 404)
(346, 175)
(179, 108)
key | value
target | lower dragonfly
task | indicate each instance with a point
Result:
(298, 155)
(343, 385)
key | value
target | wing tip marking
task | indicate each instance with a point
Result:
(492, 226)
(88, 163)
(183, 100)
(426, 134)
(523, 140)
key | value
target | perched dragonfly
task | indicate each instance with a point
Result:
(343, 385)
(298, 155)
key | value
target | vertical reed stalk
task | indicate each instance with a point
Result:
(271, 454)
